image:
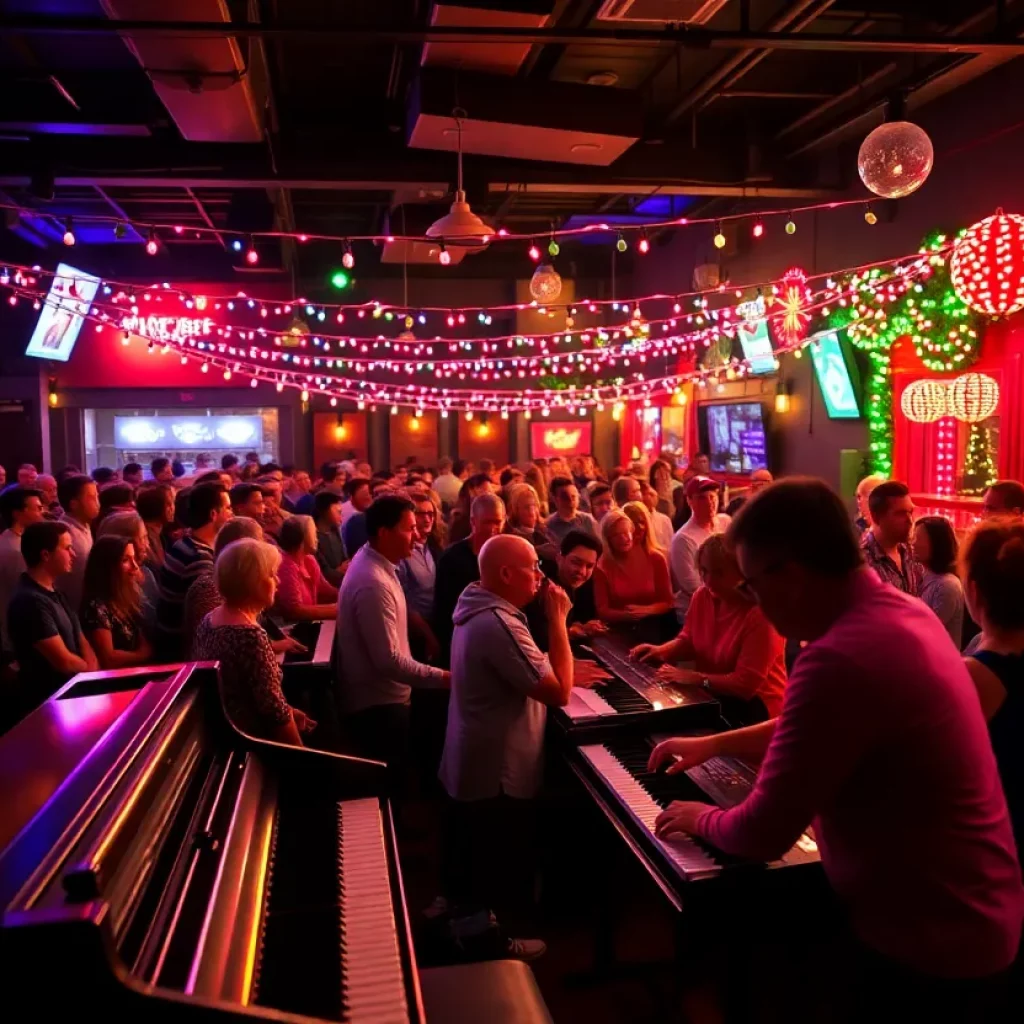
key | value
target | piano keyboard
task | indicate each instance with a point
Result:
(586, 704)
(317, 637)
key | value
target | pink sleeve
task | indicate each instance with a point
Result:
(289, 589)
(662, 581)
(824, 728)
(325, 591)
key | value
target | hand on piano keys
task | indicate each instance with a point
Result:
(588, 674)
(679, 818)
(288, 645)
(680, 676)
(681, 753)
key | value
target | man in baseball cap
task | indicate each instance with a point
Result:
(702, 497)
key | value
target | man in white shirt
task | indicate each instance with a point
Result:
(702, 497)
(19, 507)
(449, 480)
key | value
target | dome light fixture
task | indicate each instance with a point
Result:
(460, 227)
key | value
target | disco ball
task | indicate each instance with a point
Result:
(895, 159)
(546, 284)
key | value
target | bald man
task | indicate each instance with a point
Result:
(492, 765)
(863, 492)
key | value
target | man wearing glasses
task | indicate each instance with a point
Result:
(418, 574)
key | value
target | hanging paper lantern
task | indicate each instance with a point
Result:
(790, 318)
(987, 265)
(546, 284)
(925, 401)
(895, 159)
(973, 397)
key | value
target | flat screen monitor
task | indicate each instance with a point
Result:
(733, 434)
(752, 329)
(64, 311)
(834, 379)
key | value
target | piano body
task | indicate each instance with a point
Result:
(318, 639)
(183, 871)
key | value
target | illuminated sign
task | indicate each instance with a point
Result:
(163, 433)
(168, 328)
(548, 440)
(834, 377)
(67, 304)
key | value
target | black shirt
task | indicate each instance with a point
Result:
(583, 606)
(456, 569)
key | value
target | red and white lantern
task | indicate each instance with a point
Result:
(987, 265)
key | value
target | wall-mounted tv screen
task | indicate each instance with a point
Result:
(734, 436)
(752, 330)
(834, 379)
(66, 306)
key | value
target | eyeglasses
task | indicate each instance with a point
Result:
(748, 585)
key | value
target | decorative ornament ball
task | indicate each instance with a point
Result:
(987, 265)
(895, 159)
(406, 336)
(973, 397)
(546, 284)
(925, 401)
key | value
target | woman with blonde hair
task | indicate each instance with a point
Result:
(249, 676)
(524, 519)
(534, 476)
(632, 586)
(643, 528)
(303, 594)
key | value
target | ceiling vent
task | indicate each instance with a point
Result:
(665, 12)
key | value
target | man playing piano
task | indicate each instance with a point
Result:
(881, 744)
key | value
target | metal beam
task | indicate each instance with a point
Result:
(189, 180)
(647, 188)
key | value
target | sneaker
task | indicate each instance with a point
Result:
(526, 950)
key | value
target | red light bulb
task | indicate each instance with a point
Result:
(252, 257)
(534, 253)
(643, 245)
(444, 257)
(758, 229)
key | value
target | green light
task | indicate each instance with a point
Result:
(553, 248)
(621, 244)
(340, 280)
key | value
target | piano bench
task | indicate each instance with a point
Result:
(495, 991)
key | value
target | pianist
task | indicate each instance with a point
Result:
(882, 745)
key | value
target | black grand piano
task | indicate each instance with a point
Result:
(176, 869)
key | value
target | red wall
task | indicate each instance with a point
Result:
(330, 443)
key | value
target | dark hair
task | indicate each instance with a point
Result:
(352, 484)
(879, 498)
(384, 474)
(116, 494)
(159, 464)
(241, 493)
(508, 475)
(150, 501)
(386, 513)
(132, 468)
(599, 492)
(459, 467)
(322, 502)
(476, 480)
(104, 581)
(40, 537)
(943, 544)
(228, 461)
(1011, 492)
(270, 467)
(178, 468)
(293, 533)
(803, 521)
(65, 471)
(210, 476)
(252, 457)
(655, 466)
(12, 499)
(558, 483)
(578, 539)
(181, 498)
(487, 466)
(993, 558)
(328, 472)
(71, 487)
(203, 499)
(103, 475)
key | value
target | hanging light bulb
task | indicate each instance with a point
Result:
(719, 238)
(553, 247)
(348, 260)
(444, 257)
(304, 395)
(758, 229)
(69, 232)
(469, 415)
(252, 257)
(152, 245)
(791, 226)
(620, 243)
(644, 245)
(533, 252)
(461, 227)
(546, 283)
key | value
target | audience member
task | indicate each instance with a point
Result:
(249, 677)
(111, 614)
(1004, 498)
(567, 515)
(47, 487)
(247, 500)
(161, 470)
(737, 654)
(80, 500)
(418, 577)
(701, 494)
(509, 476)
(104, 475)
(573, 571)
(861, 495)
(534, 476)
(600, 499)
(358, 497)
(297, 486)
(699, 464)
(882, 747)
(935, 549)
(44, 630)
(458, 523)
(156, 507)
(27, 474)
(661, 525)
(116, 498)
(133, 474)
(887, 543)
(660, 480)
(20, 507)
(274, 516)
(130, 526)
(524, 519)
(449, 479)
(759, 480)
(625, 489)
(229, 463)
(330, 550)
(303, 595)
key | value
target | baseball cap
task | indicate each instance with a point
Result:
(700, 484)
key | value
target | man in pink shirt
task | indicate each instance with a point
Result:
(882, 747)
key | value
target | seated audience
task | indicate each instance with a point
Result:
(79, 497)
(573, 571)
(247, 500)
(524, 519)
(600, 500)
(935, 549)
(660, 523)
(567, 515)
(130, 526)
(20, 507)
(156, 507)
(418, 577)
(111, 614)
(631, 581)
(882, 747)
(701, 493)
(357, 494)
(360, 494)
(887, 543)
(458, 522)
(993, 572)
(330, 549)
(1004, 498)
(249, 677)
(861, 495)
(43, 628)
(303, 595)
(736, 652)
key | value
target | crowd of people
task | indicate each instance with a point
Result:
(866, 660)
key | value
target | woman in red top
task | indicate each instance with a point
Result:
(632, 586)
(738, 655)
(302, 594)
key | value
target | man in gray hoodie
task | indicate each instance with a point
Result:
(493, 753)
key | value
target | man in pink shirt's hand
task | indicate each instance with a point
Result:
(880, 745)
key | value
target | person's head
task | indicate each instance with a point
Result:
(426, 516)
(935, 544)
(523, 507)
(248, 472)
(132, 474)
(992, 567)
(298, 536)
(382, 485)
(460, 469)
(487, 468)
(238, 528)
(117, 498)
(272, 471)
(759, 480)
(486, 518)
(130, 526)
(300, 482)
(27, 474)
(477, 484)
(565, 496)
(229, 463)
(20, 507)
(327, 510)
(700, 463)
(177, 468)
(643, 534)
(719, 570)
(892, 513)
(79, 497)
(577, 556)
(253, 458)
(104, 475)
(47, 547)
(626, 488)
(113, 574)
(617, 533)
(160, 469)
(47, 486)
(660, 475)
(444, 465)
(391, 526)
(534, 476)
(1004, 498)
(357, 490)
(156, 504)
(509, 568)
(601, 500)
(271, 494)
(364, 469)
(586, 467)
(797, 551)
(209, 508)
(246, 575)
(702, 496)
(247, 500)
(204, 460)
(66, 471)
(863, 492)
(510, 475)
